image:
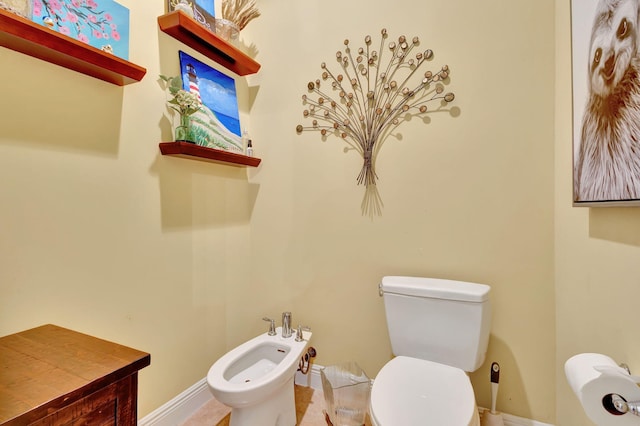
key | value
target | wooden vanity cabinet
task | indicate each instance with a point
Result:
(54, 376)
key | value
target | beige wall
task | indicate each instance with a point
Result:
(183, 258)
(597, 252)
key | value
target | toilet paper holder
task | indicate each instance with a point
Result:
(617, 405)
(605, 388)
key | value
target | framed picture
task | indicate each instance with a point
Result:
(19, 7)
(103, 24)
(203, 12)
(606, 102)
(217, 123)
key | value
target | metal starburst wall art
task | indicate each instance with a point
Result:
(367, 99)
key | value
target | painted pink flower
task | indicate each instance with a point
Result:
(115, 35)
(105, 36)
(76, 3)
(93, 19)
(108, 16)
(97, 34)
(92, 4)
(72, 17)
(83, 38)
(114, 27)
(65, 30)
(55, 5)
(37, 11)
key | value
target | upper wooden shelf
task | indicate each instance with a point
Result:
(197, 152)
(188, 31)
(25, 36)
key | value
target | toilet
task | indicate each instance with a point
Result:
(255, 379)
(439, 331)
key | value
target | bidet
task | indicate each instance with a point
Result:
(256, 379)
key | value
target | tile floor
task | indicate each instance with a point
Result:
(309, 407)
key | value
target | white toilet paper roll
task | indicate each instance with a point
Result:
(593, 378)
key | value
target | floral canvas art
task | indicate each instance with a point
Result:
(103, 24)
(217, 123)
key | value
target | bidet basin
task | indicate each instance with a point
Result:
(255, 364)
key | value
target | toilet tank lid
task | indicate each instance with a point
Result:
(435, 288)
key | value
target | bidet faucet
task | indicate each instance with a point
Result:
(286, 324)
(299, 335)
(272, 326)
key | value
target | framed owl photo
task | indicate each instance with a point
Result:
(605, 43)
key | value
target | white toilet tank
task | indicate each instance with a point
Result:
(438, 320)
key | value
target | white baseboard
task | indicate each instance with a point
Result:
(311, 379)
(188, 402)
(510, 420)
(180, 408)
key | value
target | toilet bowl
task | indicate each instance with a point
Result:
(410, 391)
(255, 379)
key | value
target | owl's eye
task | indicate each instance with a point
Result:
(623, 29)
(597, 56)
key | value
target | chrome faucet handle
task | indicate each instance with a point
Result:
(272, 326)
(286, 324)
(299, 335)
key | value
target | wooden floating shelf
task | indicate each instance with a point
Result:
(188, 31)
(25, 36)
(197, 152)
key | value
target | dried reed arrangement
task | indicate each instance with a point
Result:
(370, 98)
(240, 12)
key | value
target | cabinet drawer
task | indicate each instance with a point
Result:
(98, 408)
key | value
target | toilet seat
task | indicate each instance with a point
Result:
(410, 391)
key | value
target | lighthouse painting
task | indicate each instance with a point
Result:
(217, 123)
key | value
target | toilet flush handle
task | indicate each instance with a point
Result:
(272, 326)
